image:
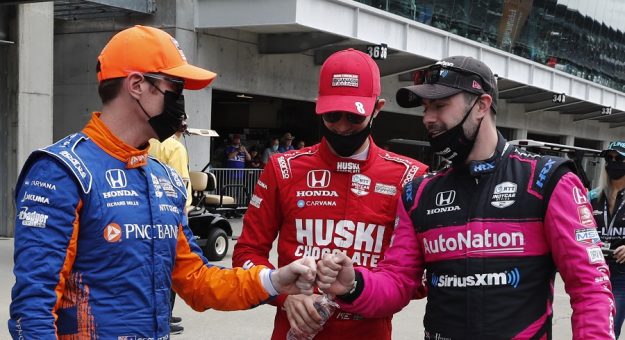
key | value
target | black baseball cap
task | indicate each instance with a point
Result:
(448, 77)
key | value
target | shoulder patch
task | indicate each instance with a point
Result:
(64, 150)
(283, 161)
(173, 175)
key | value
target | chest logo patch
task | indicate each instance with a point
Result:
(504, 195)
(361, 184)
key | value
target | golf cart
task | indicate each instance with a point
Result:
(211, 231)
(582, 157)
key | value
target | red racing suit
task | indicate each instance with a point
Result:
(490, 238)
(318, 203)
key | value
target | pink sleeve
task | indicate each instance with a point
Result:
(571, 232)
(390, 286)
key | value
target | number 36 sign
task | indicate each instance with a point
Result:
(378, 52)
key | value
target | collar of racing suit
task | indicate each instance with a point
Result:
(479, 168)
(105, 139)
(346, 164)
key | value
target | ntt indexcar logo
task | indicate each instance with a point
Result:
(505, 278)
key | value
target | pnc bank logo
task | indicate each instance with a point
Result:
(116, 178)
(318, 179)
(112, 232)
(444, 198)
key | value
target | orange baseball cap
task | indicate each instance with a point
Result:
(149, 50)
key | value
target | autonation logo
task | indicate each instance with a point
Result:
(505, 278)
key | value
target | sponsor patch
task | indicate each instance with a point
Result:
(318, 179)
(360, 184)
(504, 195)
(585, 216)
(349, 167)
(284, 169)
(41, 184)
(587, 235)
(579, 197)
(157, 187)
(344, 80)
(35, 198)
(112, 232)
(594, 255)
(385, 189)
(261, 184)
(32, 218)
(116, 178)
(256, 201)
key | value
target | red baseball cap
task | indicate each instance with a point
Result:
(149, 50)
(349, 81)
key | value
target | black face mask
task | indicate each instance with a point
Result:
(615, 169)
(172, 117)
(345, 146)
(452, 144)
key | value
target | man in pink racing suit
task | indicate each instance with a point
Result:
(490, 230)
(336, 196)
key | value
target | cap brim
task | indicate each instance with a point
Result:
(332, 103)
(411, 96)
(195, 78)
(605, 152)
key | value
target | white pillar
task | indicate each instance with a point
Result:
(35, 77)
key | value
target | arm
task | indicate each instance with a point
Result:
(389, 287)
(46, 230)
(580, 263)
(204, 286)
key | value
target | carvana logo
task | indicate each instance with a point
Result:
(505, 278)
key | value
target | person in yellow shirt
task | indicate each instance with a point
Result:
(173, 153)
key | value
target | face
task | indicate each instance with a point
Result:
(347, 124)
(440, 115)
(614, 156)
(157, 86)
(236, 141)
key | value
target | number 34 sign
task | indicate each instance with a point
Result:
(378, 52)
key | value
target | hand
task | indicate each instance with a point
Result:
(335, 274)
(298, 277)
(302, 314)
(242, 148)
(619, 254)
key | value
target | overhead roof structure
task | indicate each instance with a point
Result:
(325, 26)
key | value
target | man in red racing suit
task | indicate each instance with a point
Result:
(489, 230)
(318, 202)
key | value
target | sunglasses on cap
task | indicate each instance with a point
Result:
(614, 157)
(333, 117)
(178, 83)
(452, 77)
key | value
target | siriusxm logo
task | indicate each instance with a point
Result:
(505, 278)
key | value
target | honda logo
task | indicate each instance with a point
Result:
(579, 196)
(444, 198)
(318, 178)
(116, 178)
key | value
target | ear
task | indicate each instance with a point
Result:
(378, 107)
(134, 84)
(484, 105)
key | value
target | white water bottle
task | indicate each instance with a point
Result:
(325, 307)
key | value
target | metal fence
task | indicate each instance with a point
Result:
(238, 183)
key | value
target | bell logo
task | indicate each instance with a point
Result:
(445, 198)
(318, 179)
(112, 233)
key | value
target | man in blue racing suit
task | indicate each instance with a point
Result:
(101, 235)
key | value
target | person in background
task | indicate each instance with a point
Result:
(255, 161)
(300, 144)
(272, 149)
(607, 202)
(236, 154)
(286, 143)
(338, 195)
(101, 236)
(489, 230)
